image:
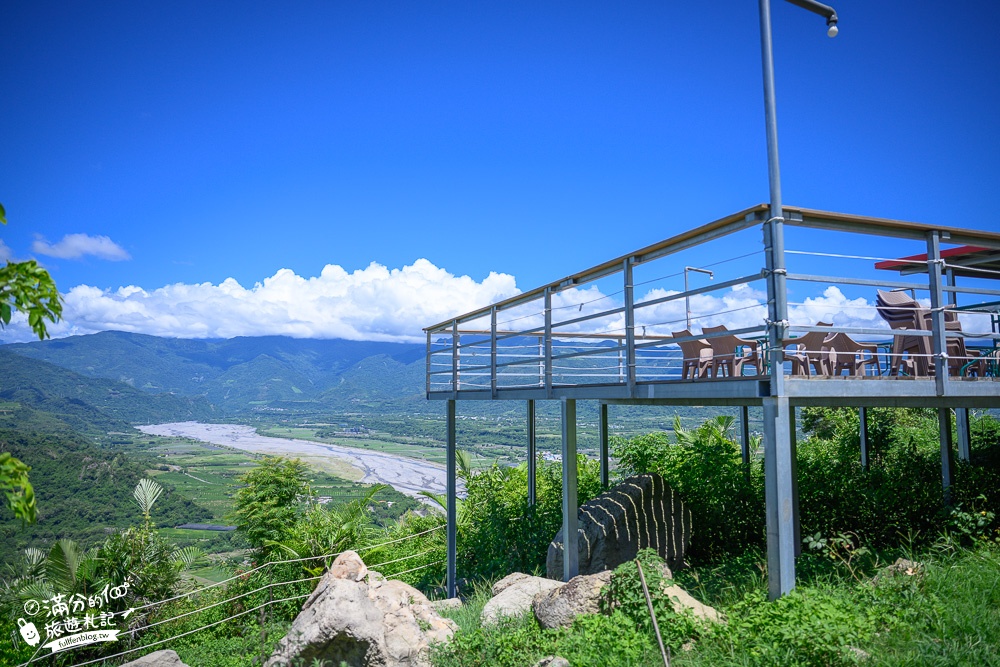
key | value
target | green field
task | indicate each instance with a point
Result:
(209, 476)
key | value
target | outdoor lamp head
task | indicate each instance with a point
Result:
(832, 30)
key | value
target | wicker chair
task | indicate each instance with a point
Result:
(697, 356)
(846, 354)
(903, 312)
(730, 355)
(808, 351)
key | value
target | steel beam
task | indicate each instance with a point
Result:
(962, 430)
(629, 327)
(939, 343)
(780, 496)
(947, 456)
(602, 428)
(571, 548)
(745, 434)
(532, 454)
(451, 490)
(863, 436)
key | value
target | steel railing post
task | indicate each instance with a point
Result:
(629, 327)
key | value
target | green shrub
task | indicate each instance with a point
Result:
(500, 533)
(705, 468)
(625, 595)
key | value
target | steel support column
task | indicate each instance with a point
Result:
(571, 548)
(962, 430)
(947, 456)
(780, 496)
(602, 427)
(629, 326)
(451, 490)
(532, 454)
(939, 344)
(745, 434)
(863, 436)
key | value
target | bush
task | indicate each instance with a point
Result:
(898, 496)
(500, 533)
(625, 595)
(705, 468)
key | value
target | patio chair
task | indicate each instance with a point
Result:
(697, 356)
(903, 312)
(730, 354)
(846, 354)
(808, 351)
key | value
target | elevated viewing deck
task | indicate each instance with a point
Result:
(810, 308)
(628, 331)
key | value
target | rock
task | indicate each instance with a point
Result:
(581, 595)
(348, 565)
(682, 600)
(902, 567)
(448, 603)
(553, 661)
(368, 621)
(640, 513)
(515, 597)
(158, 659)
(507, 582)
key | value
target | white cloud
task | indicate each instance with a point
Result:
(378, 303)
(6, 254)
(74, 246)
(374, 303)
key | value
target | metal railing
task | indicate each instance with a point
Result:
(560, 335)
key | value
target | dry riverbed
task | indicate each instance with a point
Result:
(409, 476)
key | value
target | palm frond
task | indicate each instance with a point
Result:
(146, 492)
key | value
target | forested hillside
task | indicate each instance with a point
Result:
(241, 374)
(83, 403)
(82, 492)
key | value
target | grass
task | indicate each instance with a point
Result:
(947, 613)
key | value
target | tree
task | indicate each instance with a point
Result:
(16, 487)
(267, 506)
(29, 288)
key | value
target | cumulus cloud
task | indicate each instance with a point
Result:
(374, 303)
(6, 254)
(378, 303)
(74, 246)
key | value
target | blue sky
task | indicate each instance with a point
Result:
(169, 147)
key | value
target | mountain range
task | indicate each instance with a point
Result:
(241, 374)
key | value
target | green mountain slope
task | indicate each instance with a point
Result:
(238, 374)
(83, 403)
(82, 492)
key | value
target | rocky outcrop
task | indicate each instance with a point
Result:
(358, 616)
(581, 595)
(640, 513)
(157, 659)
(513, 595)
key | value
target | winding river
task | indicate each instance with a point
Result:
(409, 476)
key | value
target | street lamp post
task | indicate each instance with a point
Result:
(687, 299)
(780, 485)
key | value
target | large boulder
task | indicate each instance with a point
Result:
(358, 616)
(581, 595)
(512, 596)
(157, 659)
(640, 513)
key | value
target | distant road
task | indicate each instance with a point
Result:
(409, 476)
